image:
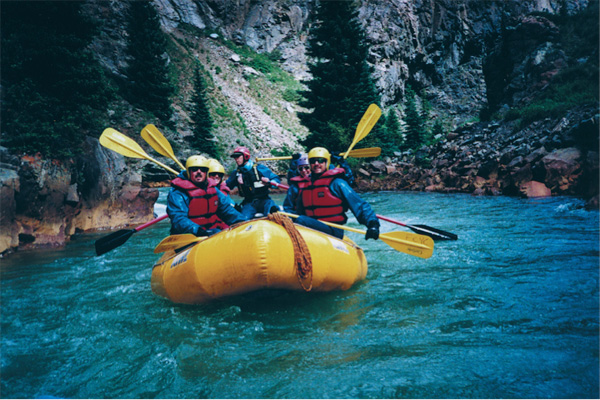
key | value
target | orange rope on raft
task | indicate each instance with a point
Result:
(302, 259)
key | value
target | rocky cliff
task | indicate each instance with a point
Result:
(461, 56)
(45, 202)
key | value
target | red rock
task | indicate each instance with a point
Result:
(535, 189)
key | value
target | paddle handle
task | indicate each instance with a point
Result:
(279, 185)
(393, 221)
(154, 221)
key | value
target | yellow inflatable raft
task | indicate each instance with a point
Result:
(269, 253)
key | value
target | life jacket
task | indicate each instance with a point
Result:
(296, 180)
(252, 187)
(203, 205)
(318, 200)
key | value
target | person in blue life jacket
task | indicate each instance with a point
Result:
(216, 172)
(195, 207)
(252, 181)
(302, 174)
(327, 196)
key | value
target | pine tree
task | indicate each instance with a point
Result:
(54, 91)
(415, 128)
(149, 86)
(342, 87)
(203, 139)
(391, 139)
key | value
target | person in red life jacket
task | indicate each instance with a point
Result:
(216, 172)
(252, 180)
(302, 174)
(194, 206)
(326, 196)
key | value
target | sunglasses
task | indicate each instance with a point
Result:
(303, 167)
(215, 175)
(317, 160)
(201, 169)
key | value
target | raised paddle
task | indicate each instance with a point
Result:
(356, 153)
(115, 239)
(367, 122)
(159, 142)
(435, 234)
(174, 242)
(116, 141)
(405, 242)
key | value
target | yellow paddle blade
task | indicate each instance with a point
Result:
(364, 153)
(367, 122)
(159, 142)
(409, 243)
(356, 153)
(177, 241)
(116, 141)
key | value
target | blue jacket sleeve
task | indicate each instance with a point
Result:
(360, 208)
(231, 181)
(266, 172)
(177, 209)
(226, 211)
(289, 204)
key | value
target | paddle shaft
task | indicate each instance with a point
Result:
(382, 236)
(154, 221)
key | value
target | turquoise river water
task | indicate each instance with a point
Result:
(510, 310)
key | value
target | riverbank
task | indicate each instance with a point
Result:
(547, 158)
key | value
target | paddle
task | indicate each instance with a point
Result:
(435, 234)
(405, 242)
(116, 141)
(367, 122)
(174, 242)
(159, 142)
(115, 239)
(357, 153)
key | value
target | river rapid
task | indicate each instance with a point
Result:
(510, 310)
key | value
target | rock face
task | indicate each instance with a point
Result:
(44, 202)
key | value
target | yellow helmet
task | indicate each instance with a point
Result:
(195, 161)
(320, 152)
(215, 166)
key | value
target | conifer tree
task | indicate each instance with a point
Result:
(203, 139)
(415, 128)
(149, 87)
(53, 90)
(390, 139)
(342, 87)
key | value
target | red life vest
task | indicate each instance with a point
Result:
(319, 202)
(203, 205)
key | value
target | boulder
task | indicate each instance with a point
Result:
(563, 168)
(534, 189)
(9, 185)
